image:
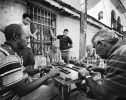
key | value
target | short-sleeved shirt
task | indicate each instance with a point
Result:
(11, 70)
(65, 42)
(27, 28)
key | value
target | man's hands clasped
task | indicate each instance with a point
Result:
(51, 72)
(46, 69)
(84, 72)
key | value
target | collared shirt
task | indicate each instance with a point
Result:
(53, 56)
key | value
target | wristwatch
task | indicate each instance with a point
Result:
(88, 76)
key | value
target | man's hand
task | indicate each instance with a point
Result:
(84, 72)
(34, 35)
(53, 72)
(98, 69)
(88, 67)
(61, 62)
(46, 69)
(52, 34)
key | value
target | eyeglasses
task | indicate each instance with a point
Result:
(98, 43)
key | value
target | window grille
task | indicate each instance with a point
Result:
(43, 20)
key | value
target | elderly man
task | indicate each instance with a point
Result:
(113, 86)
(12, 79)
(54, 55)
(65, 44)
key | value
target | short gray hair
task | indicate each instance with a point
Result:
(13, 30)
(107, 35)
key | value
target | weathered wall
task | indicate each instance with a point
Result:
(74, 32)
(10, 12)
(91, 30)
(106, 6)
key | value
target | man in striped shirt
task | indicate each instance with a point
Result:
(13, 81)
(113, 86)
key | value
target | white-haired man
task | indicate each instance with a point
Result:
(54, 55)
(113, 87)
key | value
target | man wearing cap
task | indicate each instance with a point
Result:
(65, 44)
(54, 55)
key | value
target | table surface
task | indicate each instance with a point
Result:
(68, 78)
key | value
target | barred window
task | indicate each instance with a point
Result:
(42, 19)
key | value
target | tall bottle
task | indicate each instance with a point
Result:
(71, 60)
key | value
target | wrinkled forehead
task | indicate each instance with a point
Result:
(96, 39)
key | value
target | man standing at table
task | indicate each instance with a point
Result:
(65, 44)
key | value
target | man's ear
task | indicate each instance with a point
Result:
(15, 36)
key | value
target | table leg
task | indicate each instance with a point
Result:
(66, 90)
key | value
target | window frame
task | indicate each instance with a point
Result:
(42, 19)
